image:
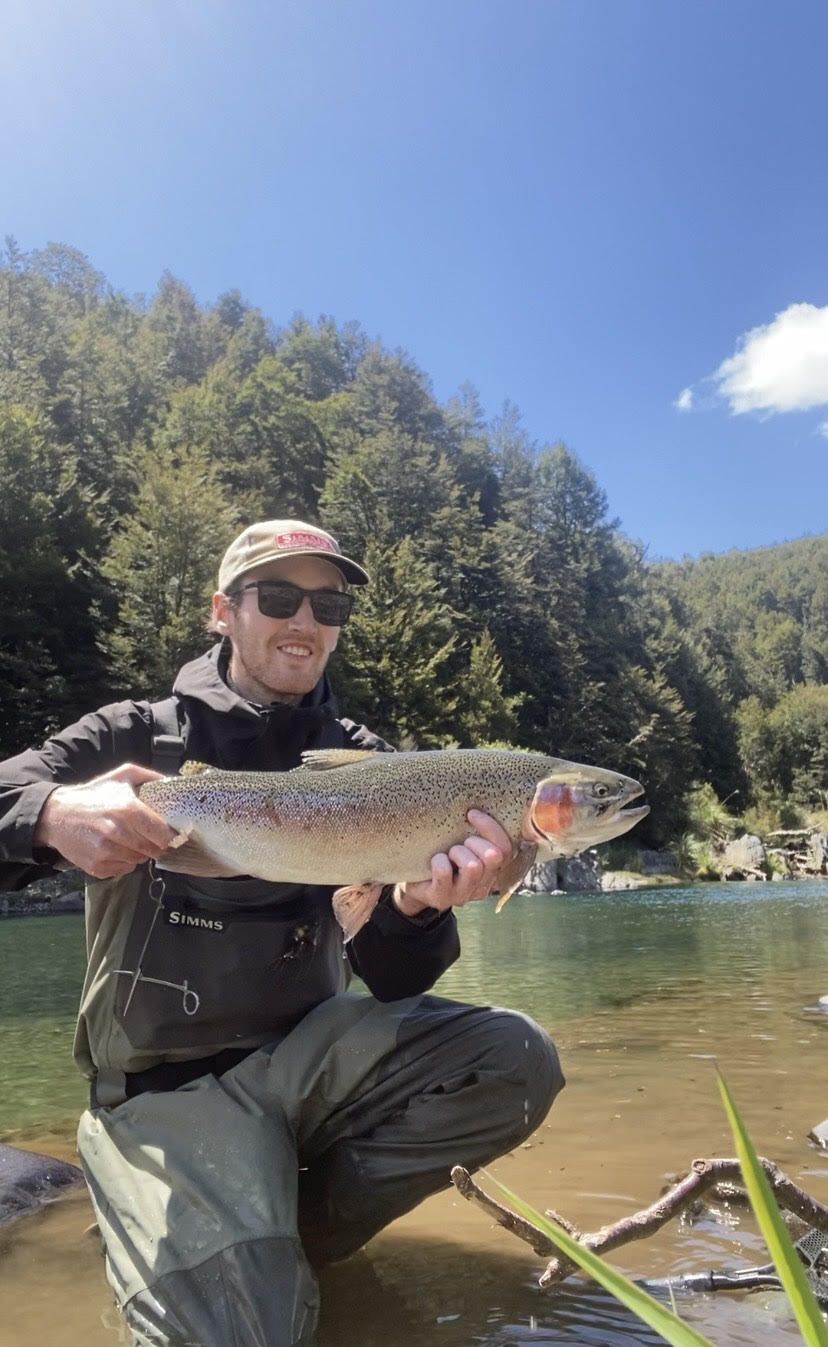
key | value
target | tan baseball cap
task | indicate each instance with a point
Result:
(277, 538)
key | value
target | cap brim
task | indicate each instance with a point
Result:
(352, 571)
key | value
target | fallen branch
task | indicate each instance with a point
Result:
(704, 1174)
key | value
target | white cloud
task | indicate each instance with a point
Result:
(781, 367)
(684, 401)
(822, 429)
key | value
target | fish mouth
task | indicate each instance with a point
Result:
(640, 811)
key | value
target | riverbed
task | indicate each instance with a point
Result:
(643, 992)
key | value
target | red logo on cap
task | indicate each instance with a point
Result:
(314, 540)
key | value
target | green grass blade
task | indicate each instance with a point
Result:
(801, 1298)
(652, 1312)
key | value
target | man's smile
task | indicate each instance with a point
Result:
(302, 651)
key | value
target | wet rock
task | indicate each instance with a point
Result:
(29, 1180)
(819, 1134)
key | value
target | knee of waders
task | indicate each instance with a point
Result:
(258, 1293)
(524, 1050)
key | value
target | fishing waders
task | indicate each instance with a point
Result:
(217, 1199)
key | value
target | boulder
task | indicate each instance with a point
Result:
(68, 902)
(656, 862)
(613, 881)
(818, 852)
(542, 878)
(29, 1180)
(577, 874)
(580, 874)
(746, 855)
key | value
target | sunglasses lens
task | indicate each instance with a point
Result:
(279, 600)
(329, 607)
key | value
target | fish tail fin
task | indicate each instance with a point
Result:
(353, 905)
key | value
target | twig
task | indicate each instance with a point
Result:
(703, 1174)
(466, 1186)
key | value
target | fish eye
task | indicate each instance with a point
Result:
(600, 792)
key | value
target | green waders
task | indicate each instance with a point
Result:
(216, 1199)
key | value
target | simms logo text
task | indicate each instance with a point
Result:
(187, 919)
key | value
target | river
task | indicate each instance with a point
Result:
(643, 993)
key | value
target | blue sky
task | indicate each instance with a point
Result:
(613, 213)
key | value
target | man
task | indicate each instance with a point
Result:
(249, 1118)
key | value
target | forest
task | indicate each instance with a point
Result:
(139, 434)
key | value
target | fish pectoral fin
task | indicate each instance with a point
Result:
(324, 759)
(353, 905)
(515, 870)
(186, 856)
(195, 768)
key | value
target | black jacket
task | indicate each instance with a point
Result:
(396, 956)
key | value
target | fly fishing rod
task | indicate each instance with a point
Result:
(812, 1249)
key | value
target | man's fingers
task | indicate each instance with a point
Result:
(132, 773)
(442, 870)
(469, 865)
(489, 828)
(491, 856)
(150, 830)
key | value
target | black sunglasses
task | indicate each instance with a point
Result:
(278, 598)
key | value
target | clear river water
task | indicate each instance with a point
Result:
(643, 992)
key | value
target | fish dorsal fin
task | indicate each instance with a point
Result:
(194, 768)
(325, 759)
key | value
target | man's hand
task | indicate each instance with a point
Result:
(468, 872)
(101, 826)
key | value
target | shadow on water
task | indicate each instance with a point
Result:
(424, 1293)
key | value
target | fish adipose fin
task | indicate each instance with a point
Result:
(324, 759)
(516, 870)
(186, 856)
(353, 906)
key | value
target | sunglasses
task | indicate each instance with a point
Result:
(277, 598)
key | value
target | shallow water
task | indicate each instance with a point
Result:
(642, 992)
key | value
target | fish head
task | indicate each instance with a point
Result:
(577, 807)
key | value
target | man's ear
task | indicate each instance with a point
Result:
(221, 610)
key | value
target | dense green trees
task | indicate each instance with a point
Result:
(136, 436)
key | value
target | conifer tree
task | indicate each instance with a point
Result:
(163, 563)
(391, 667)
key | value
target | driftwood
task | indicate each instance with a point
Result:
(703, 1175)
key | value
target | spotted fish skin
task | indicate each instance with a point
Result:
(347, 817)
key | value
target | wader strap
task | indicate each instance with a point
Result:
(108, 1088)
(167, 739)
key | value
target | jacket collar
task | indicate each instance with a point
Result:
(204, 680)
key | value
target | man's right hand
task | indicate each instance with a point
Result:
(101, 826)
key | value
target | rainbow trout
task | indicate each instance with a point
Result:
(359, 819)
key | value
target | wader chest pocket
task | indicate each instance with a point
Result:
(211, 972)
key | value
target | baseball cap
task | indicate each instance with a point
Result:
(277, 538)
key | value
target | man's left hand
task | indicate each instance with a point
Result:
(464, 874)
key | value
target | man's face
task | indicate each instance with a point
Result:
(273, 658)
